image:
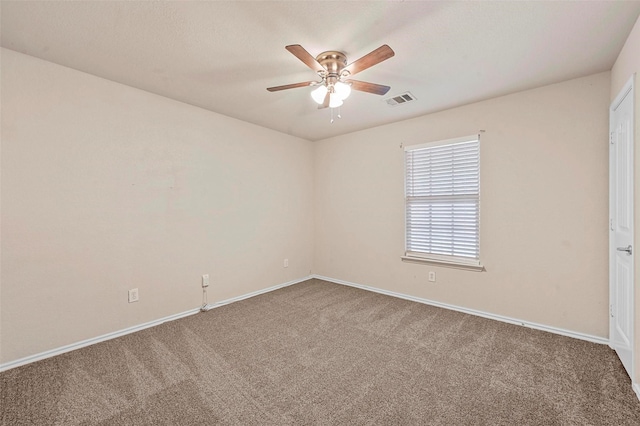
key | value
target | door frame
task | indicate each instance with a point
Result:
(627, 90)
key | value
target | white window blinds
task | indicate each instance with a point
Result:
(443, 200)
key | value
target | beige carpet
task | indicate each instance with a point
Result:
(321, 353)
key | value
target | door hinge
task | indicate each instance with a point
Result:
(611, 137)
(611, 224)
(611, 310)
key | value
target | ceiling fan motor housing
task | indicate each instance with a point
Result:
(333, 62)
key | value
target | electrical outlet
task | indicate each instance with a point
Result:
(205, 280)
(432, 276)
(133, 295)
(286, 263)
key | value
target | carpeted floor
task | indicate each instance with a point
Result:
(322, 353)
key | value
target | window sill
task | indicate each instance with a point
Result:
(446, 264)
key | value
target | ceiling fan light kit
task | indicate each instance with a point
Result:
(335, 85)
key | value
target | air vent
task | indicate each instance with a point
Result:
(400, 99)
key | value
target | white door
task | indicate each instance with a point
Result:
(621, 250)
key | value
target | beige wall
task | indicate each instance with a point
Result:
(107, 188)
(627, 65)
(544, 207)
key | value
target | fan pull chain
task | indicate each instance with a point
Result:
(339, 114)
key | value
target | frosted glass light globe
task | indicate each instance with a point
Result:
(343, 90)
(334, 100)
(319, 94)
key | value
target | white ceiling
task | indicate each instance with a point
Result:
(223, 55)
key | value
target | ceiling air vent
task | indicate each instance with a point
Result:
(400, 99)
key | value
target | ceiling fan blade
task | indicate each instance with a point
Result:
(290, 86)
(382, 53)
(363, 86)
(325, 104)
(299, 52)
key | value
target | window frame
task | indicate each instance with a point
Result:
(433, 258)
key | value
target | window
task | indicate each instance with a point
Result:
(442, 202)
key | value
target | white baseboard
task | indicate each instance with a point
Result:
(257, 293)
(636, 389)
(73, 346)
(563, 332)
(129, 330)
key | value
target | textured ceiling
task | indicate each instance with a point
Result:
(223, 55)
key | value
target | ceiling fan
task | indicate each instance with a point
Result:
(332, 68)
